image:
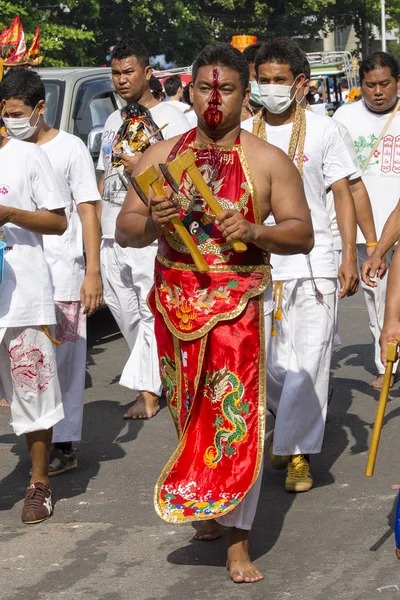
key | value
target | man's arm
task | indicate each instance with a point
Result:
(390, 235)
(391, 325)
(346, 218)
(364, 215)
(46, 222)
(91, 289)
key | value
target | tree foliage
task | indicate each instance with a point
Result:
(180, 28)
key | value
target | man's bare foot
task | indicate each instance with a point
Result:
(145, 406)
(209, 531)
(239, 564)
(378, 382)
(3, 402)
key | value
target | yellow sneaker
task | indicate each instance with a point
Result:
(277, 462)
(298, 478)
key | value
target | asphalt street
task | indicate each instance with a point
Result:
(105, 542)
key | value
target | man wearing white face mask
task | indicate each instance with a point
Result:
(76, 294)
(254, 105)
(305, 286)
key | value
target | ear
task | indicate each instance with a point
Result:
(300, 81)
(148, 72)
(41, 107)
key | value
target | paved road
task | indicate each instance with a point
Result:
(105, 541)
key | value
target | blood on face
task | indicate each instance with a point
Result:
(213, 116)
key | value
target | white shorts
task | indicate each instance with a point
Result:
(28, 372)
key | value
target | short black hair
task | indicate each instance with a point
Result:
(250, 52)
(186, 94)
(282, 51)
(223, 55)
(377, 60)
(172, 85)
(129, 47)
(23, 84)
(155, 84)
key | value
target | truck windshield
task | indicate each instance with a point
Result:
(54, 100)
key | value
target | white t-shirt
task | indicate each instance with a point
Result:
(27, 182)
(326, 160)
(113, 191)
(76, 178)
(181, 105)
(330, 200)
(382, 176)
(192, 118)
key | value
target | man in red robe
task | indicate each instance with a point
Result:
(210, 327)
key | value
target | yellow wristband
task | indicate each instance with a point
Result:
(371, 244)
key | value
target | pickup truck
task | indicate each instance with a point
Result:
(79, 101)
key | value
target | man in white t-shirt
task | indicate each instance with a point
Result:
(128, 272)
(365, 120)
(76, 294)
(305, 287)
(174, 90)
(30, 205)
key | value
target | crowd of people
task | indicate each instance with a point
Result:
(196, 202)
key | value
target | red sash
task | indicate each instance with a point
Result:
(210, 337)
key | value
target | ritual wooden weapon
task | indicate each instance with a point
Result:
(173, 172)
(142, 183)
(380, 413)
(384, 130)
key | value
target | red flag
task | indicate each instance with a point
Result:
(10, 38)
(34, 50)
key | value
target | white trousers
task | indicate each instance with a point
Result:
(298, 366)
(71, 367)
(375, 299)
(28, 373)
(128, 275)
(242, 517)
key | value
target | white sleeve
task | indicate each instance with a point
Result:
(82, 177)
(337, 163)
(348, 142)
(44, 188)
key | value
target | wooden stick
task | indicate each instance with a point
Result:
(380, 413)
(384, 130)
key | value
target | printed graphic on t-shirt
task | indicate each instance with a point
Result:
(4, 189)
(386, 157)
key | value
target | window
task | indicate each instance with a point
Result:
(95, 102)
(54, 100)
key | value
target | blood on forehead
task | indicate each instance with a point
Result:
(215, 97)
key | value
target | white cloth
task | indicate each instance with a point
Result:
(192, 118)
(71, 367)
(76, 178)
(326, 161)
(382, 176)
(375, 301)
(27, 182)
(128, 275)
(330, 200)
(28, 373)
(298, 366)
(181, 105)
(113, 193)
(242, 517)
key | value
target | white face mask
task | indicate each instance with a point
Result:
(276, 98)
(21, 129)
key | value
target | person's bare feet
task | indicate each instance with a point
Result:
(239, 564)
(3, 402)
(145, 406)
(378, 382)
(209, 531)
